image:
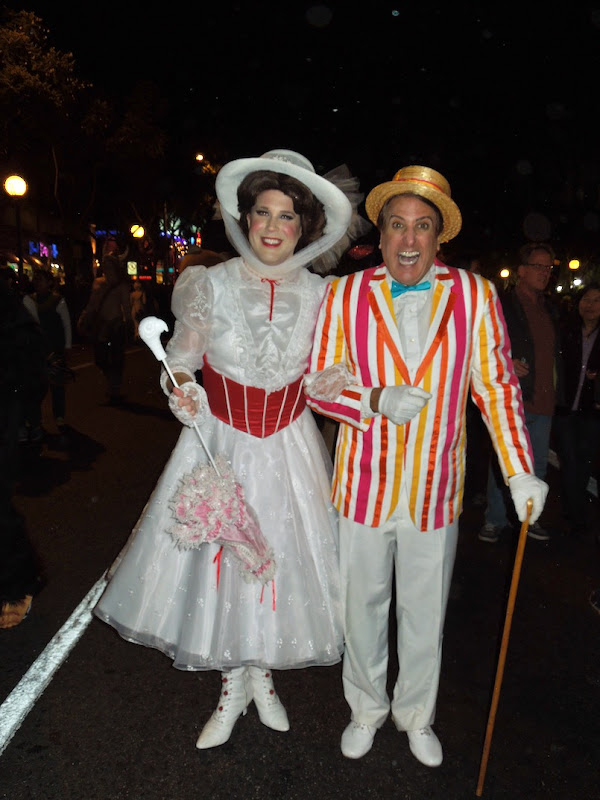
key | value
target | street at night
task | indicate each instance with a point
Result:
(375, 214)
(115, 720)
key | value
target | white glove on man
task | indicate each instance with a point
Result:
(190, 412)
(523, 487)
(401, 403)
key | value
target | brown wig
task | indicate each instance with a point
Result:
(310, 210)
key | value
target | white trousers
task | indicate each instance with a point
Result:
(423, 564)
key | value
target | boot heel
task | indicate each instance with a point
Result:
(270, 709)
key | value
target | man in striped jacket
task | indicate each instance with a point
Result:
(397, 348)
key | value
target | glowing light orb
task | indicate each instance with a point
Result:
(15, 186)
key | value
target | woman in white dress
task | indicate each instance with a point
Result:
(248, 324)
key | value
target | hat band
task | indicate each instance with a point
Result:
(420, 180)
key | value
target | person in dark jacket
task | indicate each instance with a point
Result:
(55, 320)
(577, 418)
(22, 373)
(110, 307)
(533, 328)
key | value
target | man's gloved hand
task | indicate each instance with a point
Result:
(401, 403)
(523, 487)
(189, 403)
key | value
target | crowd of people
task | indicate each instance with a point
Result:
(409, 358)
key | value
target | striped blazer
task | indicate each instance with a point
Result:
(467, 347)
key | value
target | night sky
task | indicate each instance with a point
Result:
(500, 98)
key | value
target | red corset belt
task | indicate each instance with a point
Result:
(250, 409)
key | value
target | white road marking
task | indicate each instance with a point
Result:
(32, 685)
(26, 693)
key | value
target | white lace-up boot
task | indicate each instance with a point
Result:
(270, 710)
(236, 695)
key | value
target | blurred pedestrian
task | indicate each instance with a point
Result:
(22, 373)
(532, 321)
(138, 305)
(30, 431)
(577, 416)
(248, 324)
(55, 320)
(106, 319)
(111, 248)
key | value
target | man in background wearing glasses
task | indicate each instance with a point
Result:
(532, 323)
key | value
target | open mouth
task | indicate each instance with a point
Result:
(271, 242)
(408, 258)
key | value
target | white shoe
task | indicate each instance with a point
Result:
(357, 740)
(425, 746)
(270, 709)
(233, 701)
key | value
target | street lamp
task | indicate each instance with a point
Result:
(16, 187)
(574, 265)
(205, 165)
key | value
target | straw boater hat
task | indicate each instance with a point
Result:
(337, 206)
(422, 181)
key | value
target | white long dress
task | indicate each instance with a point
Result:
(258, 334)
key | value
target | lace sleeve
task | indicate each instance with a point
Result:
(329, 383)
(191, 305)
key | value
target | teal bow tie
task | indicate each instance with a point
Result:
(400, 288)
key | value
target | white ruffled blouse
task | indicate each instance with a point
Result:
(255, 331)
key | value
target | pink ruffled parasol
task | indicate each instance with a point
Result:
(211, 508)
(209, 504)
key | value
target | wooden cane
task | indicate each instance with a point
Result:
(504, 646)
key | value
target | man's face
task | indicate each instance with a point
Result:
(536, 273)
(409, 240)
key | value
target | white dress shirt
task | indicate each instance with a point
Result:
(413, 313)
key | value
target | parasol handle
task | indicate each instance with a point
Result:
(149, 332)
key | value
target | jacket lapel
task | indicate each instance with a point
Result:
(443, 305)
(380, 300)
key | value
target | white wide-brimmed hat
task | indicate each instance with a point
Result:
(338, 209)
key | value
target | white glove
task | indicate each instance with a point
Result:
(401, 403)
(199, 409)
(523, 487)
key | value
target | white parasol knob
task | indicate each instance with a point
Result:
(149, 330)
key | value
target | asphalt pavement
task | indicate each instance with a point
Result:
(116, 720)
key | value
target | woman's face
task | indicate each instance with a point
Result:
(589, 307)
(274, 228)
